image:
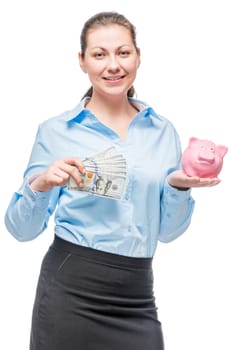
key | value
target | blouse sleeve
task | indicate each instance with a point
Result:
(28, 212)
(176, 213)
(176, 206)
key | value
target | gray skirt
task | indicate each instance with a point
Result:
(88, 299)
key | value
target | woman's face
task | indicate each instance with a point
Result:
(111, 59)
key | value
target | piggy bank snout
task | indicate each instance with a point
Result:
(206, 156)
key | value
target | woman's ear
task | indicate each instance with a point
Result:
(81, 61)
(139, 57)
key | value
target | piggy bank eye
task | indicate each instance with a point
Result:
(212, 149)
(202, 147)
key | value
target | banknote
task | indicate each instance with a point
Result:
(106, 174)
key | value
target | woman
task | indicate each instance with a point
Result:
(95, 289)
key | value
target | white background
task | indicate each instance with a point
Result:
(187, 75)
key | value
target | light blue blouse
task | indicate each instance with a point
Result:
(150, 209)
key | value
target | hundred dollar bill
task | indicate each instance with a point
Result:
(107, 185)
(109, 169)
(106, 174)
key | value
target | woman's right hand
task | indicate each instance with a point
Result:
(58, 173)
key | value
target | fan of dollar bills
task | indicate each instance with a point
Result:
(106, 174)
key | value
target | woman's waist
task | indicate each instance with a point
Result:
(124, 242)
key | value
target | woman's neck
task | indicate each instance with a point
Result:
(115, 113)
(111, 106)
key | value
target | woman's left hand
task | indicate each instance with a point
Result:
(181, 181)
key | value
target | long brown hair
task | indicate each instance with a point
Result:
(105, 18)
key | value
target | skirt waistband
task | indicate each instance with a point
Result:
(102, 256)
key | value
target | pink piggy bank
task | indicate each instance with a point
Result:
(203, 158)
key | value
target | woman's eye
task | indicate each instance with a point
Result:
(99, 55)
(124, 53)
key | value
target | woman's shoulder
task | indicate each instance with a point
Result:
(148, 109)
(65, 116)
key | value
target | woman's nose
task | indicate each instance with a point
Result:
(113, 63)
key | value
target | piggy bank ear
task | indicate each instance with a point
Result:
(221, 150)
(193, 140)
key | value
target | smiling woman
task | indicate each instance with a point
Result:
(112, 50)
(95, 289)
